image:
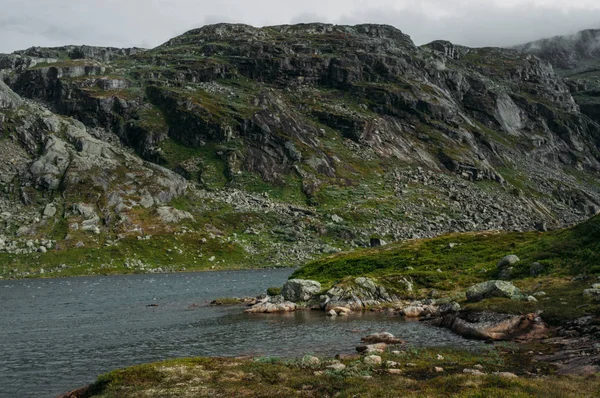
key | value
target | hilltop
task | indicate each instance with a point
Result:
(281, 144)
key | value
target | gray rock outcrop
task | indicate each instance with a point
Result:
(297, 290)
(491, 289)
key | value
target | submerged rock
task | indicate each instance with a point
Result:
(384, 337)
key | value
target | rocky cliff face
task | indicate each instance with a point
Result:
(577, 58)
(350, 131)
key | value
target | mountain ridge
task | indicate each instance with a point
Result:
(368, 133)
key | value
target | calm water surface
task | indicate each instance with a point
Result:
(57, 335)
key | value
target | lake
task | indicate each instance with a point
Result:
(60, 334)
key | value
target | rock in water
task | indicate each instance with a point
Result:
(494, 289)
(489, 325)
(296, 290)
(272, 305)
(384, 337)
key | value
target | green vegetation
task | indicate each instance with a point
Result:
(468, 257)
(273, 377)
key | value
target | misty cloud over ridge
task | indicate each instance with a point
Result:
(148, 23)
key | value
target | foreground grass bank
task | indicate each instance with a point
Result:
(402, 373)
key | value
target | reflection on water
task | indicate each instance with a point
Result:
(61, 334)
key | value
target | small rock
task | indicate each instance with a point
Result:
(371, 348)
(332, 313)
(337, 367)
(507, 261)
(311, 361)
(438, 369)
(439, 357)
(531, 299)
(336, 219)
(494, 289)
(391, 364)
(382, 338)
(372, 360)
(474, 372)
(506, 375)
(593, 293)
(537, 269)
(478, 366)
(394, 371)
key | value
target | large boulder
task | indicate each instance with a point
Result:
(296, 290)
(494, 289)
(8, 99)
(356, 295)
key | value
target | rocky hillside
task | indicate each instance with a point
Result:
(292, 141)
(577, 58)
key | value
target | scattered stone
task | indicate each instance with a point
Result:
(376, 242)
(474, 372)
(310, 360)
(394, 371)
(391, 364)
(384, 337)
(331, 313)
(439, 357)
(494, 289)
(592, 293)
(371, 348)
(337, 367)
(438, 369)
(49, 211)
(537, 269)
(336, 219)
(508, 261)
(506, 375)
(372, 360)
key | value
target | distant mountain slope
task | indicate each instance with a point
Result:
(313, 138)
(577, 58)
(572, 53)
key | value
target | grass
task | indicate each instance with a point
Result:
(273, 377)
(473, 256)
(453, 262)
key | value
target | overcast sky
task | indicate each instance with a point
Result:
(148, 23)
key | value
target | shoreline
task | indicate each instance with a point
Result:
(40, 277)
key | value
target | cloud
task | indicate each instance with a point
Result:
(125, 23)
